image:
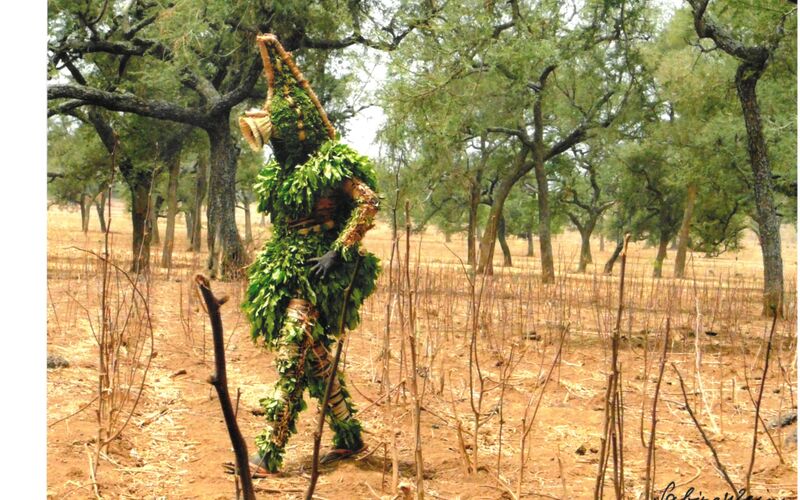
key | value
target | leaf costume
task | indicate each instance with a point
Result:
(320, 195)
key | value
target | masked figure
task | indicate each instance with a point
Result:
(320, 195)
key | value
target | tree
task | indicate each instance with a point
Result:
(545, 89)
(194, 62)
(651, 198)
(582, 197)
(78, 167)
(172, 158)
(249, 165)
(754, 49)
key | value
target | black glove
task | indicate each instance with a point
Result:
(325, 263)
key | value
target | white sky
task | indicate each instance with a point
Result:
(364, 126)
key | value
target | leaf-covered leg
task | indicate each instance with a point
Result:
(340, 410)
(281, 409)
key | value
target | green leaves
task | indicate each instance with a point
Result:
(292, 192)
(282, 270)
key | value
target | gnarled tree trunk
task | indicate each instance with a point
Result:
(472, 222)
(663, 242)
(155, 207)
(586, 248)
(769, 234)
(173, 164)
(222, 203)
(489, 236)
(100, 205)
(609, 267)
(542, 198)
(501, 237)
(499, 196)
(753, 61)
(200, 188)
(189, 219)
(248, 228)
(86, 211)
(139, 186)
(683, 233)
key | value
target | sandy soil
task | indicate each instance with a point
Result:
(176, 441)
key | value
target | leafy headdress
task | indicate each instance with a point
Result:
(292, 118)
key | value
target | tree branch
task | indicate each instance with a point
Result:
(114, 101)
(241, 92)
(755, 55)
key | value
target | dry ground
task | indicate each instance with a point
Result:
(176, 439)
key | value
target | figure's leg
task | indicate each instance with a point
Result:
(340, 410)
(286, 402)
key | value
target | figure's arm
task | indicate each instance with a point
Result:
(362, 219)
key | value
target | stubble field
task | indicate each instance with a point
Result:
(543, 351)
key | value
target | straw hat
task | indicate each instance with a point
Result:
(256, 127)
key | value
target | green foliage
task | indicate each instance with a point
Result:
(282, 270)
(293, 192)
(82, 164)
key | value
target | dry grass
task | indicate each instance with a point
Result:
(177, 441)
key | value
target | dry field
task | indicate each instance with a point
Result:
(174, 442)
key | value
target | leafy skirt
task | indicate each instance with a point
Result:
(282, 271)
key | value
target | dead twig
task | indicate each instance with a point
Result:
(720, 468)
(651, 449)
(220, 382)
(758, 404)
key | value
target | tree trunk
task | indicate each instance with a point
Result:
(173, 163)
(673, 244)
(200, 187)
(529, 237)
(86, 208)
(140, 207)
(154, 207)
(769, 234)
(472, 222)
(100, 205)
(683, 233)
(663, 242)
(602, 243)
(248, 228)
(609, 267)
(489, 236)
(501, 237)
(586, 249)
(545, 245)
(222, 203)
(187, 215)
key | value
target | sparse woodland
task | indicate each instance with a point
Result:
(587, 236)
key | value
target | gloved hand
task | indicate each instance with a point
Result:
(325, 263)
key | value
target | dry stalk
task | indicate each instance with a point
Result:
(650, 469)
(758, 404)
(613, 417)
(527, 423)
(508, 369)
(698, 358)
(412, 342)
(718, 464)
